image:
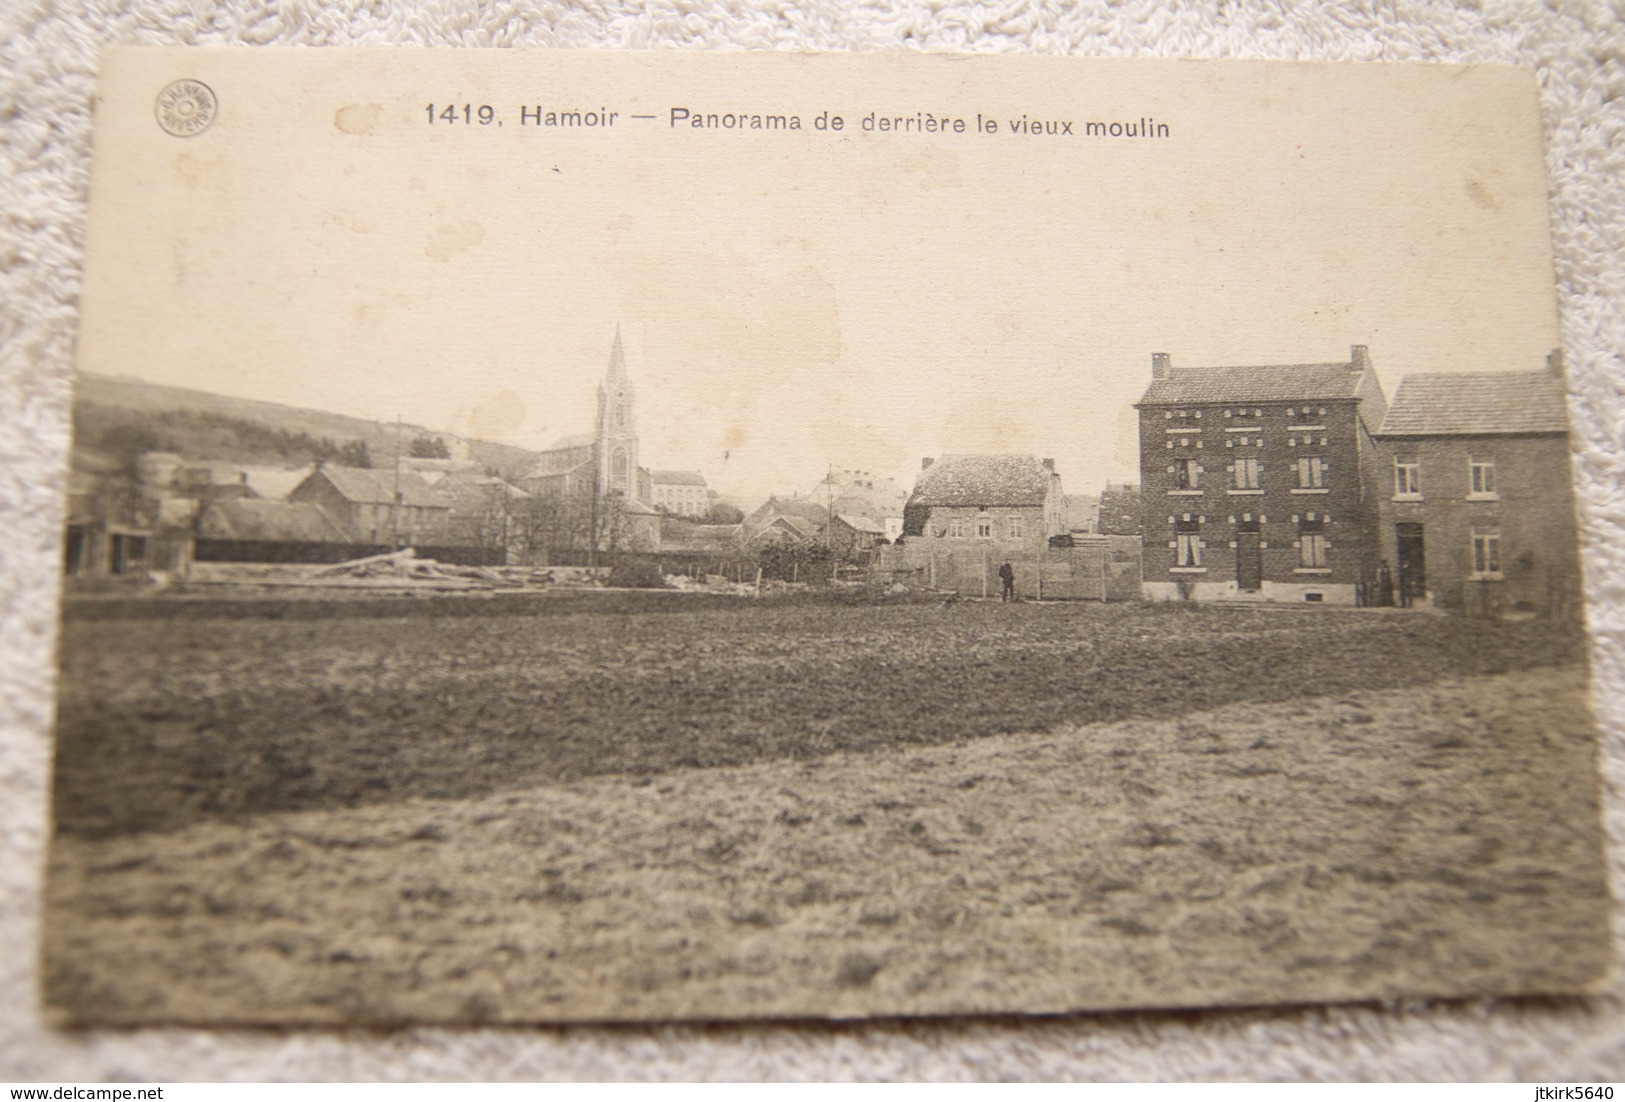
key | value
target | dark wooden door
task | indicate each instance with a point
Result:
(1249, 562)
(1412, 562)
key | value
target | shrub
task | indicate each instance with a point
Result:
(636, 574)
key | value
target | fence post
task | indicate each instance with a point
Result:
(1040, 565)
(986, 562)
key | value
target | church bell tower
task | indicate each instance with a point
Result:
(617, 430)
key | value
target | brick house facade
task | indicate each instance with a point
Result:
(1258, 482)
(1477, 511)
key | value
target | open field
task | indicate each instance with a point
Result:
(1439, 840)
(165, 722)
(738, 808)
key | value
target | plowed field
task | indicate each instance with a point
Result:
(754, 809)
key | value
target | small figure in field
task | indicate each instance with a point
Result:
(1007, 575)
(1385, 585)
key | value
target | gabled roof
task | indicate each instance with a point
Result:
(1263, 383)
(574, 440)
(255, 520)
(1489, 403)
(274, 483)
(983, 480)
(472, 486)
(800, 527)
(543, 471)
(366, 486)
(860, 523)
(815, 513)
(678, 478)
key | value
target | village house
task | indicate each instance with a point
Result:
(256, 530)
(376, 507)
(1477, 511)
(856, 495)
(680, 493)
(786, 520)
(1258, 482)
(1005, 505)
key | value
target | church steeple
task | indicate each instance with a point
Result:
(616, 377)
(617, 431)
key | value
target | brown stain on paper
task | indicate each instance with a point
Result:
(357, 118)
(497, 416)
(1478, 193)
(447, 241)
(187, 168)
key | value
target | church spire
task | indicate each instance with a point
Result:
(617, 362)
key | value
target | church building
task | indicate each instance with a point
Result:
(601, 467)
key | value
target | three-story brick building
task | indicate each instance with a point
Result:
(1259, 482)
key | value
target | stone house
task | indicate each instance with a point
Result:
(680, 493)
(376, 506)
(1477, 511)
(1258, 482)
(1004, 505)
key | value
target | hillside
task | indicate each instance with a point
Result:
(120, 417)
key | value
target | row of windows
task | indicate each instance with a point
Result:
(959, 527)
(1481, 481)
(1246, 472)
(1250, 439)
(1291, 411)
(375, 515)
(1313, 549)
(1312, 546)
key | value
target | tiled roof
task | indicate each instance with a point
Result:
(1270, 383)
(254, 520)
(543, 471)
(374, 487)
(795, 526)
(473, 488)
(1490, 402)
(678, 478)
(983, 480)
(815, 512)
(274, 483)
(861, 523)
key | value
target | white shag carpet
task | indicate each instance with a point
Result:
(47, 71)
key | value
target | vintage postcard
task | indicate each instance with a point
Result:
(608, 536)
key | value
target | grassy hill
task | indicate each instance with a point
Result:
(121, 417)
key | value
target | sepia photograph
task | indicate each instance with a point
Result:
(589, 537)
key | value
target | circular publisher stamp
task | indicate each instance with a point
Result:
(185, 108)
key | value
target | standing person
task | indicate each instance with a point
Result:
(1385, 585)
(1007, 575)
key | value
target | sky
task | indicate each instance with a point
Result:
(795, 300)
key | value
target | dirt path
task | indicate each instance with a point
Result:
(1371, 845)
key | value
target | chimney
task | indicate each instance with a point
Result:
(1554, 362)
(1049, 465)
(925, 464)
(1359, 358)
(1161, 365)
